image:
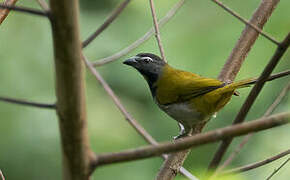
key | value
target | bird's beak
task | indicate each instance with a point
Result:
(131, 61)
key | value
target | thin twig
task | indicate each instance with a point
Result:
(278, 75)
(141, 40)
(246, 22)
(270, 110)
(255, 165)
(277, 101)
(24, 9)
(4, 12)
(43, 5)
(157, 32)
(27, 103)
(276, 170)
(140, 130)
(233, 154)
(118, 103)
(247, 40)
(107, 22)
(193, 141)
(281, 49)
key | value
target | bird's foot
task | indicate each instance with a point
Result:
(181, 136)
(184, 132)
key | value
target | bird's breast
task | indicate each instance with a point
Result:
(184, 113)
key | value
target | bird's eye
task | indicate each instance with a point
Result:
(147, 59)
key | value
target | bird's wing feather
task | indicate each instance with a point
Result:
(178, 86)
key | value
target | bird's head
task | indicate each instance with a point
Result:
(149, 65)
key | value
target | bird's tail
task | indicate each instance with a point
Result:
(243, 83)
(251, 81)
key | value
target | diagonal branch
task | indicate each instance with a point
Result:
(251, 98)
(193, 141)
(157, 32)
(108, 21)
(146, 136)
(24, 10)
(119, 105)
(27, 103)
(141, 40)
(255, 165)
(247, 40)
(243, 20)
(246, 138)
(276, 170)
(4, 12)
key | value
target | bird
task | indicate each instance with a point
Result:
(186, 97)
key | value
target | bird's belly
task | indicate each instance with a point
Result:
(184, 113)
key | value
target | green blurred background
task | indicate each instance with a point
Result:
(198, 39)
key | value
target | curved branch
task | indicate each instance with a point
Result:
(108, 21)
(247, 40)
(193, 141)
(141, 40)
(243, 20)
(24, 10)
(255, 165)
(27, 103)
(276, 170)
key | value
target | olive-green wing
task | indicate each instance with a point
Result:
(178, 86)
(197, 87)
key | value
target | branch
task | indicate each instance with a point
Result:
(27, 103)
(247, 40)
(243, 20)
(141, 40)
(251, 98)
(24, 10)
(70, 90)
(193, 141)
(255, 165)
(4, 12)
(140, 130)
(276, 170)
(234, 62)
(108, 21)
(247, 137)
(157, 32)
(172, 164)
(119, 105)
(278, 75)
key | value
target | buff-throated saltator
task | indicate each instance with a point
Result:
(186, 97)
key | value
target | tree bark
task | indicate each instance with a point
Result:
(70, 89)
(172, 164)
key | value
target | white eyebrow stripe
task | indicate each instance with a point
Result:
(150, 59)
